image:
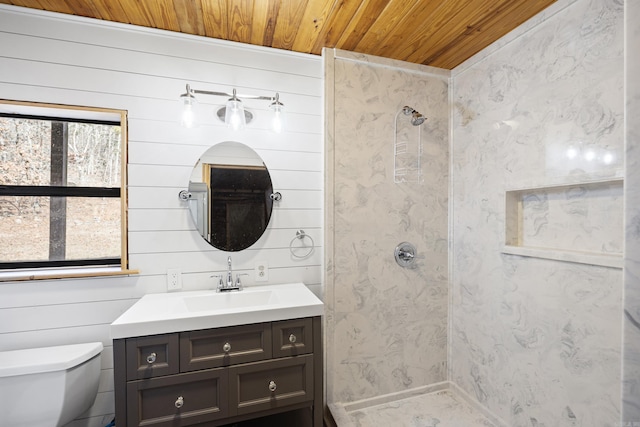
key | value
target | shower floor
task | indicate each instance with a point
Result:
(438, 409)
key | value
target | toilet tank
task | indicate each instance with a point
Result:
(48, 386)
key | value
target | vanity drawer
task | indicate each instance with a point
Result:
(273, 384)
(213, 348)
(152, 356)
(292, 337)
(178, 400)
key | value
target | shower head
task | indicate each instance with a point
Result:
(416, 118)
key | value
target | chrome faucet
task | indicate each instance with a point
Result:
(229, 285)
(229, 273)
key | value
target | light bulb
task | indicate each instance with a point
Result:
(277, 122)
(189, 104)
(188, 116)
(234, 115)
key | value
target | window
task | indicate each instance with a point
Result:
(62, 189)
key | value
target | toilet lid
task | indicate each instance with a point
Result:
(46, 359)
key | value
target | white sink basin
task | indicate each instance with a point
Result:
(230, 300)
(185, 311)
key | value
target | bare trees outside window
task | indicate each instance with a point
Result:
(60, 191)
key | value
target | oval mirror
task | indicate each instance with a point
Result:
(230, 200)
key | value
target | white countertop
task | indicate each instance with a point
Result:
(184, 311)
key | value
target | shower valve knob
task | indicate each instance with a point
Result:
(405, 255)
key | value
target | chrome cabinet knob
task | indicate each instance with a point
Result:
(272, 386)
(179, 402)
(292, 338)
(226, 347)
(151, 358)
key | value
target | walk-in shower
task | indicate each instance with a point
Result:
(387, 326)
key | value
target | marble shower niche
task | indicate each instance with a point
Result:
(581, 222)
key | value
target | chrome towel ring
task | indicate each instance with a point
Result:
(308, 250)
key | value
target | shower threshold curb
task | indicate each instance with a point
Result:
(341, 411)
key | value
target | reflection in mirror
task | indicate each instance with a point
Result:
(230, 200)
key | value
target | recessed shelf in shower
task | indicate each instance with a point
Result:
(578, 222)
(407, 146)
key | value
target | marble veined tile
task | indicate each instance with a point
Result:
(388, 324)
(538, 341)
(439, 409)
(631, 363)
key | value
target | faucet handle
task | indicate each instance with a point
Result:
(238, 282)
(219, 276)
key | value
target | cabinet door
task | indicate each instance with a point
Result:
(292, 337)
(272, 384)
(178, 400)
(212, 348)
(152, 356)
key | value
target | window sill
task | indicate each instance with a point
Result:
(63, 273)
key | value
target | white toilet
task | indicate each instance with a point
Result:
(49, 386)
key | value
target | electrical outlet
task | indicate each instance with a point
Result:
(174, 280)
(262, 272)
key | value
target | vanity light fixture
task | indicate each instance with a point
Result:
(278, 114)
(189, 105)
(233, 113)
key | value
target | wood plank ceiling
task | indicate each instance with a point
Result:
(440, 33)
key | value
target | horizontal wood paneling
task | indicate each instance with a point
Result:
(129, 38)
(150, 153)
(175, 176)
(209, 132)
(182, 241)
(59, 316)
(213, 260)
(161, 91)
(61, 336)
(47, 59)
(180, 219)
(167, 197)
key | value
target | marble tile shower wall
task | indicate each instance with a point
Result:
(631, 362)
(537, 341)
(387, 325)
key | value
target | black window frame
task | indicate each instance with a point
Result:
(71, 191)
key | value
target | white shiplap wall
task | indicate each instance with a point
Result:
(60, 59)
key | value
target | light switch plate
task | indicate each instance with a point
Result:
(262, 271)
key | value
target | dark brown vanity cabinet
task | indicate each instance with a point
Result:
(219, 376)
